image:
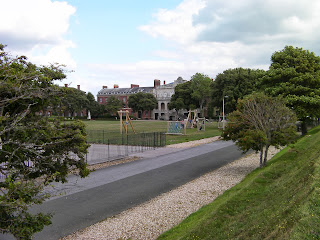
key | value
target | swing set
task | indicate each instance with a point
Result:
(125, 124)
(191, 122)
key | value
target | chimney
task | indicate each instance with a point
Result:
(65, 85)
(134, 85)
(104, 87)
(78, 86)
(156, 83)
(115, 86)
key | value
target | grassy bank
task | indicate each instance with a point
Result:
(281, 201)
(112, 130)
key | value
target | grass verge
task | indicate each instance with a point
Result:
(111, 129)
(281, 201)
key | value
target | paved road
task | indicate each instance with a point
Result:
(110, 191)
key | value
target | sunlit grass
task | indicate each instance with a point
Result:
(281, 201)
(111, 129)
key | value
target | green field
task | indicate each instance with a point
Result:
(280, 201)
(111, 129)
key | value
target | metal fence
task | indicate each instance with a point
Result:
(104, 148)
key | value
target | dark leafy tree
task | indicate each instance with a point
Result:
(113, 105)
(96, 109)
(74, 100)
(142, 102)
(201, 91)
(183, 98)
(33, 150)
(295, 75)
(260, 122)
(234, 83)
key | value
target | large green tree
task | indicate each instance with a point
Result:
(201, 91)
(260, 122)
(33, 150)
(295, 75)
(142, 102)
(96, 109)
(192, 94)
(113, 105)
(234, 83)
(74, 100)
(182, 97)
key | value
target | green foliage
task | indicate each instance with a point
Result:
(74, 100)
(201, 92)
(234, 83)
(182, 97)
(260, 122)
(295, 75)
(142, 102)
(192, 94)
(113, 105)
(33, 150)
(96, 109)
(280, 201)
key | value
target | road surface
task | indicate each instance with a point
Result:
(107, 192)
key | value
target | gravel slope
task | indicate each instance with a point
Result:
(149, 220)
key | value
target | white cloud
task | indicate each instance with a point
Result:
(209, 37)
(251, 20)
(37, 28)
(176, 25)
(212, 36)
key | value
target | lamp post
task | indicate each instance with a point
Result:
(223, 122)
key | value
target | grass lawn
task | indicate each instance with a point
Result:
(281, 201)
(111, 129)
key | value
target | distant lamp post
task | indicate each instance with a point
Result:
(223, 120)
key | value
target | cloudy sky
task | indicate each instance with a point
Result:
(107, 42)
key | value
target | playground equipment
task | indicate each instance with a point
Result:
(201, 124)
(221, 122)
(192, 115)
(175, 127)
(128, 120)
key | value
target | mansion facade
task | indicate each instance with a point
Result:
(162, 93)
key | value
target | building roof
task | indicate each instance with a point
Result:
(119, 91)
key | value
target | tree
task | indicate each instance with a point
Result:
(234, 83)
(182, 97)
(113, 105)
(142, 102)
(74, 100)
(94, 107)
(33, 150)
(260, 122)
(295, 75)
(201, 92)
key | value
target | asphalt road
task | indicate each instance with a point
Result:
(112, 190)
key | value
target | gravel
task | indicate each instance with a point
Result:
(149, 220)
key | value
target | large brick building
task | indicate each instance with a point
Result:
(163, 94)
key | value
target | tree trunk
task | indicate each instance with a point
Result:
(304, 129)
(265, 155)
(261, 157)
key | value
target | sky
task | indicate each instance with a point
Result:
(107, 42)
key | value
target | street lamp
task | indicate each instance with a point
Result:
(223, 122)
